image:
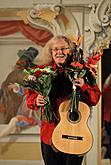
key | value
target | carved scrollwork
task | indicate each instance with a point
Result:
(99, 25)
(53, 17)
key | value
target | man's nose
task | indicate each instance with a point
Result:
(59, 51)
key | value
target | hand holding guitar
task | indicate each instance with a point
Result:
(79, 82)
(72, 135)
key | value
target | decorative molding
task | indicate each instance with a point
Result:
(23, 15)
(59, 20)
(99, 29)
(10, 14)
(15, 41)
(53, 17)
(31, 134)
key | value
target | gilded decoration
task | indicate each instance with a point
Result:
(55, 18)
(23, 15)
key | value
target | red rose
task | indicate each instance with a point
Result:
(42, 66)
(38, 73)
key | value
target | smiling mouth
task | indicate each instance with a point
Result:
(60, 56)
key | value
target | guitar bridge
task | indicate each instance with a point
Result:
(72, 137)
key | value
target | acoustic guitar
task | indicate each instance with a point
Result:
(72, 134)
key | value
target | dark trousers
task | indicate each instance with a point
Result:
(52, 157)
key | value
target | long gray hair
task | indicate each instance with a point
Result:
(46, 56)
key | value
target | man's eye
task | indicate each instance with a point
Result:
(62, 49)
(56, 49)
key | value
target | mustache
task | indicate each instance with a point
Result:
(60, 55)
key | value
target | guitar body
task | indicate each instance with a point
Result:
(72, 135)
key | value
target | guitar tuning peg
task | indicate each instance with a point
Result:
(75, 74)
(74, 87)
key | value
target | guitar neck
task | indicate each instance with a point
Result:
(75, 99)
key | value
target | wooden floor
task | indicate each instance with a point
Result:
(23, 162)
(20, 162)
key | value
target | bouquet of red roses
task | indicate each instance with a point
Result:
(39, 79)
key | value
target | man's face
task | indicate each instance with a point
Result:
(60, 51)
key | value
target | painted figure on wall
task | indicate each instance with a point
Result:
(24, 118)
(10, 101)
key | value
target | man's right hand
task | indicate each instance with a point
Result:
(40, 100)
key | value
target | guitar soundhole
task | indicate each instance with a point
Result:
(73, 116)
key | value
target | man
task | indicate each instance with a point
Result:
(59, 52)
(107, 111)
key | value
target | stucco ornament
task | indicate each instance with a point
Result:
(52, 17)
(99, 28)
